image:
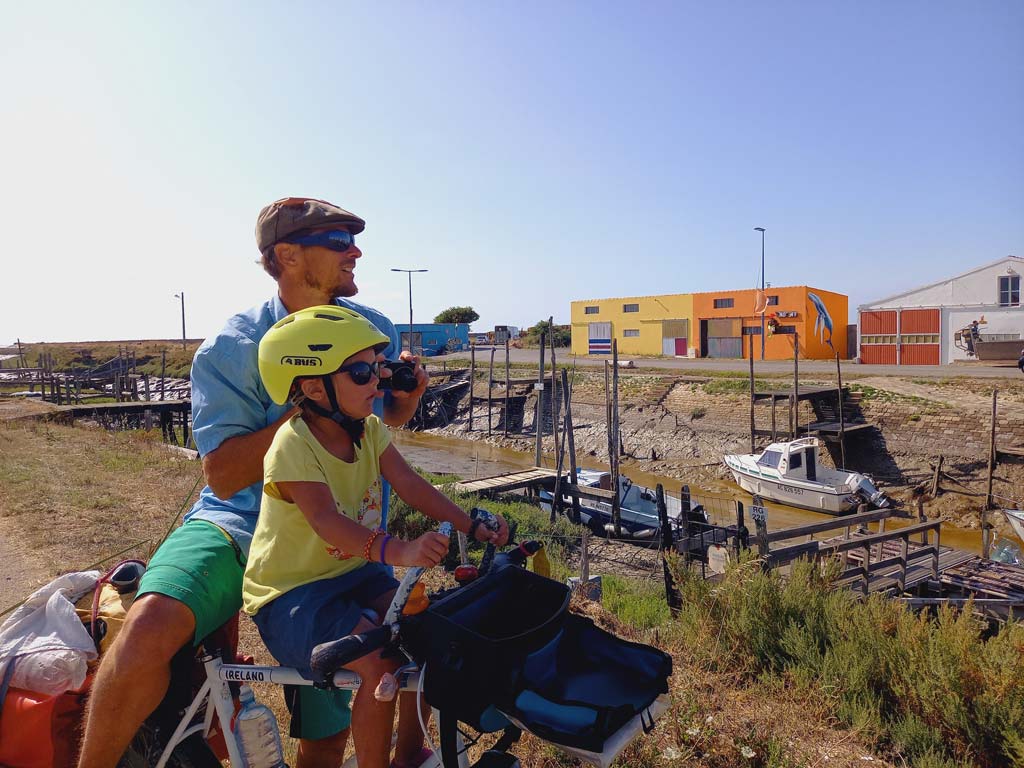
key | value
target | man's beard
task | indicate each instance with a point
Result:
(339, 290)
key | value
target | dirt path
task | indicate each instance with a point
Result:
(23, 572)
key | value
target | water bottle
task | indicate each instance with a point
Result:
(256, 733)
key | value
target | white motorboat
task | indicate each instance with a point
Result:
(789, 473)
(1015, 517)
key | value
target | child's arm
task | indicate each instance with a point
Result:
(317, 505)
(421, 495)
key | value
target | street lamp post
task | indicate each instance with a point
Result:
(761, 230)
(182, 297)
(409, 273)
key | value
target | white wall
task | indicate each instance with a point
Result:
(975, 289)
(1005, 320)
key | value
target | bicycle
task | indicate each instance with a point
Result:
(213, 706)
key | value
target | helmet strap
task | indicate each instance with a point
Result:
(354, 427)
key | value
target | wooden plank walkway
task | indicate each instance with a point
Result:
(529, 478)
(508, 481)
(885, 578)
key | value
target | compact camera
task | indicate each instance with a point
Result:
(402, 378)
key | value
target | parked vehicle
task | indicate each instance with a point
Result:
(789, 473)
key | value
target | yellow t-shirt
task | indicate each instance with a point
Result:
(286, 552)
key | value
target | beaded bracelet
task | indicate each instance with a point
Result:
(384, 548)
(369, 543)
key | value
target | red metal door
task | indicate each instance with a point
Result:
(680, 347)
(878, 354)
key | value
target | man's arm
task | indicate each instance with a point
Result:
(237, 463)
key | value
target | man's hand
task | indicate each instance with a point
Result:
(422, 378)
(400, 406)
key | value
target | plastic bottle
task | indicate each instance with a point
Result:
(257, 734)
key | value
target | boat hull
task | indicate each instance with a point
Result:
(817, 500)
(1016, 519)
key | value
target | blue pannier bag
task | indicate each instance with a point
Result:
(506, 644)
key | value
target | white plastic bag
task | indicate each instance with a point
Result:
(45, 639)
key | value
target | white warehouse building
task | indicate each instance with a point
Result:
(923, 326)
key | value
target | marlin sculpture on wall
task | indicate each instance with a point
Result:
(823, 322)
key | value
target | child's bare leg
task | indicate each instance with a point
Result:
(410, 735)
(373, 721)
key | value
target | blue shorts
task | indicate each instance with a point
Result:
(293, 624)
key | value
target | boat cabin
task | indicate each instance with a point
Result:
(797, 459)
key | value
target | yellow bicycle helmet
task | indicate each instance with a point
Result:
(313, 342)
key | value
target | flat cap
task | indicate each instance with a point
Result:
(293, 214)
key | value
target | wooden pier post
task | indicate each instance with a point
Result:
(986, 536)
(507, 383)
(796, 385)
(585, 557)
(554, 390)
(616, 503)
(163, 372)
(774, 438)
(842, 418)
(490, 385)
(740, 530)
(684, 522)
(538, 417)
(472, 382)
(572, 448)
(753, 447)
(935, 478)
(672, 596)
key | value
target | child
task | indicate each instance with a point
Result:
(317, 560)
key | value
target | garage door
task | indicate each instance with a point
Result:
(878, 337)
(919, 337)
(725, 338)
(599, 339)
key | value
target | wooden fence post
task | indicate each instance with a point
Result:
(842, 417)
(490, 384)
(616, 502)
(538, 419)
(507, 388)
(573, 478)
(672, 596)
(472, 381)
(753, 446)
(986, 537)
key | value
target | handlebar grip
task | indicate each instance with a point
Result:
(328, 658)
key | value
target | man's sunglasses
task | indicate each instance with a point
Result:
(336, 239)
(360, 372)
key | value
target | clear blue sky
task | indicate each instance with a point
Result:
(527, 153)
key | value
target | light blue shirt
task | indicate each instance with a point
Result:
(228, 400)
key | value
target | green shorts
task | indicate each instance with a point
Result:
(201, 566)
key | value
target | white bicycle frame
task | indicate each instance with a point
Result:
(215, 691)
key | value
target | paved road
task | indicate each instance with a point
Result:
(780, 367)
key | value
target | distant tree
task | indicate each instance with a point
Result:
(457, 315)
(561, 334)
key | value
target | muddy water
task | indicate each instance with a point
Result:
(470, 459)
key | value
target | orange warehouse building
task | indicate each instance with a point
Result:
(727, 324)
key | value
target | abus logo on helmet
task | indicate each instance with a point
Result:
(300, 361)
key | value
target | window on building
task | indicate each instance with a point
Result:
(591, 310)
(1009, 291)
(773, 301)
(631, 332)
(723, 303)
(630, 307)
(919, 338)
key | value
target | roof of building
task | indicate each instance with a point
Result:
(1013, 259)
(707, 293)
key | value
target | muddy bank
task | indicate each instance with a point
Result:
(680, 429)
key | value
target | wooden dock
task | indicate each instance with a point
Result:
(907, 563)
(529, 479)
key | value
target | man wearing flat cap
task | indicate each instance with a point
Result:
(194, 581)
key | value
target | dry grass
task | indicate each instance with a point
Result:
(77, 496)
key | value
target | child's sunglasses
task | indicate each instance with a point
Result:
(336, 239)
(360, 372)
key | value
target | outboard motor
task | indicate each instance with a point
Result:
(866, 489)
